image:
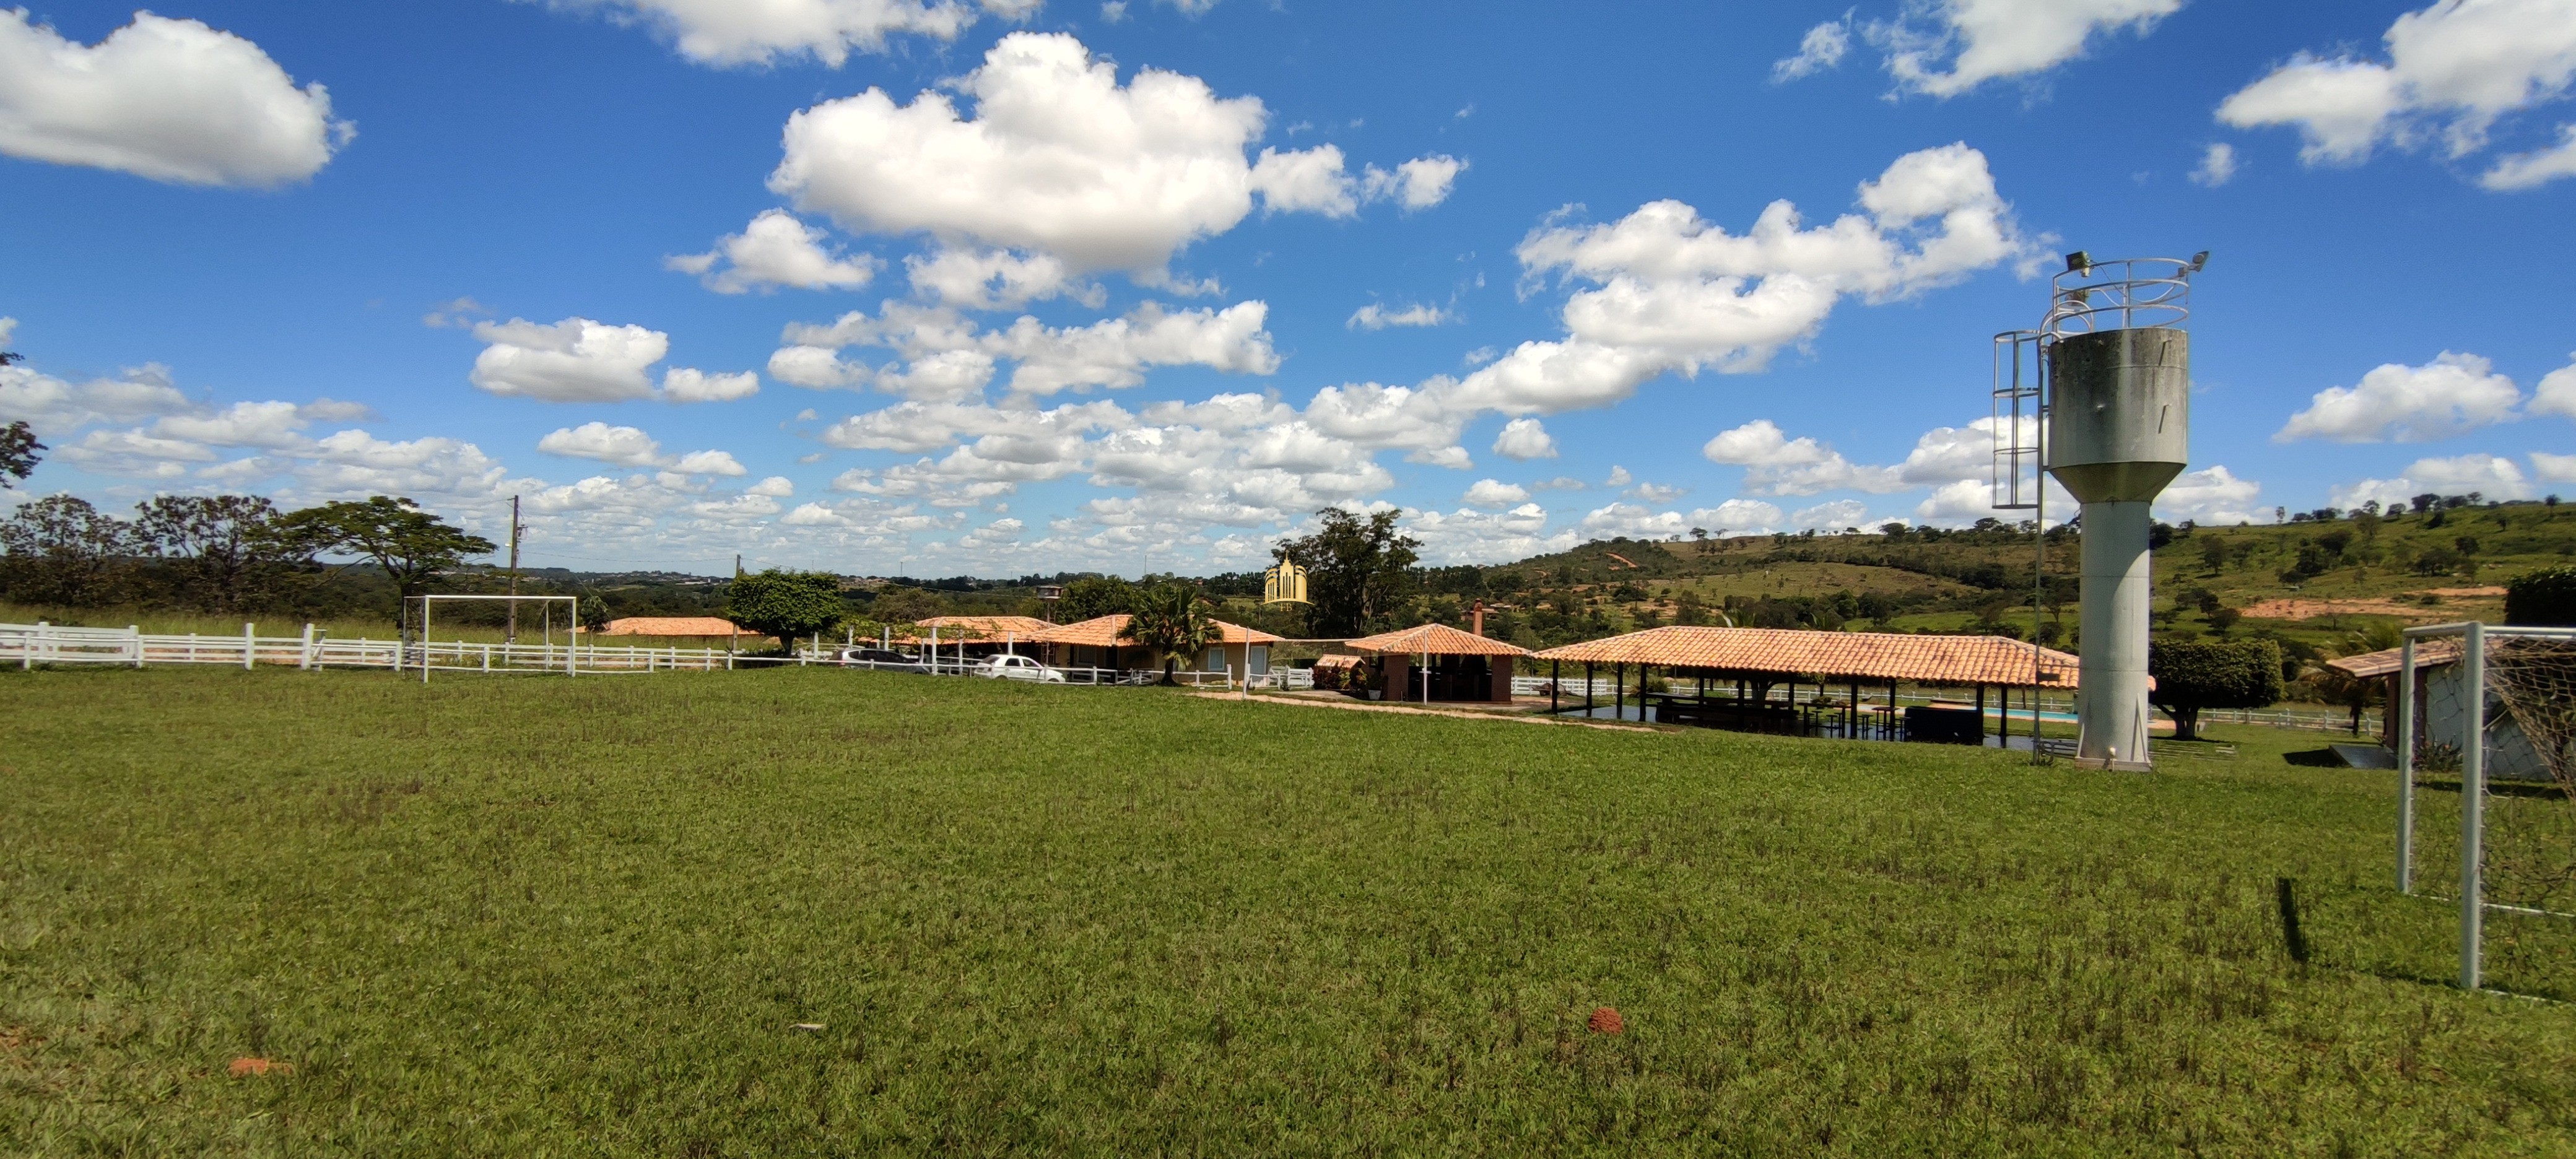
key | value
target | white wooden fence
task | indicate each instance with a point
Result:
(28, 645)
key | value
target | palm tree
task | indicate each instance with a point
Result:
(1174, 621)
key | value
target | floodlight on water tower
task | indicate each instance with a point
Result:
(2098, 397)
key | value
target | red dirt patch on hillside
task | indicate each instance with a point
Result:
(2400, 606)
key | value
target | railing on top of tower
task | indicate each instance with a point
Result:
(2092, 296)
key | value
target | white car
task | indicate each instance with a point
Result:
(1011, 667)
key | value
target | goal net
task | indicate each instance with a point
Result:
(2487, 760)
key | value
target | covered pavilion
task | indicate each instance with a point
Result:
(1452, 665)
(1757, 660)
(1094, 643)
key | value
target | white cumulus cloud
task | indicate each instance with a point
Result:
(2490, 476)
(623, 446)
(1946, 47)
(1496, 494)
(2451, 395)
(1821, 48)
(758, 32)
(2539, 167)
(708, 463)
(171, 100)
(1059, 158)
(575, 360)
(994, 279)
(775, 250)
(2212, 495)
(1839, 514)
(1524, 439)
(2452, 69)
(54, 406)
(2556, 394)
(1776, 464)
(685, 384)
(952, 355)
(2217, 166)
(1671, 291)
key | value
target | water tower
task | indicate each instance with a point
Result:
(2099, 397)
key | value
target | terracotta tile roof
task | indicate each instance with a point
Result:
(973, 629)
(2432, 653)
(1103, 633)
(1951, 660)
(1438, 640)
(994, 626)
(673, 626)
(1337, 660)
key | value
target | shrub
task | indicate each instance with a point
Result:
(2194, 675)
(2544, 598)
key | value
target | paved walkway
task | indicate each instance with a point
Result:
(1417, 710)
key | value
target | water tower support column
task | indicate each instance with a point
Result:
(2111, 699)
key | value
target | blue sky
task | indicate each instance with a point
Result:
(695, 282)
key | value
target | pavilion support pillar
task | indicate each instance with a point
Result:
(1554, 673)
(1587, 690)
(1618, 692)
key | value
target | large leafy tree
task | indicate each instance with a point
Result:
(59, 550)
(903, 605)
(1359, 571)
(2192, 675)
(1092, 597)
(785, 604)
(1173, 620)
(409, 545)
(234, 551)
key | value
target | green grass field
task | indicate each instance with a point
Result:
(537, 916)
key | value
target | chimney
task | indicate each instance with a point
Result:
(1478, 620)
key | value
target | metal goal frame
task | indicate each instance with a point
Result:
(2473, 638)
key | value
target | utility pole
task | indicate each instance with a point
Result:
(511, 635)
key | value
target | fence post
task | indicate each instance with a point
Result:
(2473, 791)
(137, 629)
(250, 646)
(2405, 707)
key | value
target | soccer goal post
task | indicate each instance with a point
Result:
(2495, 705)
(511, 652)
